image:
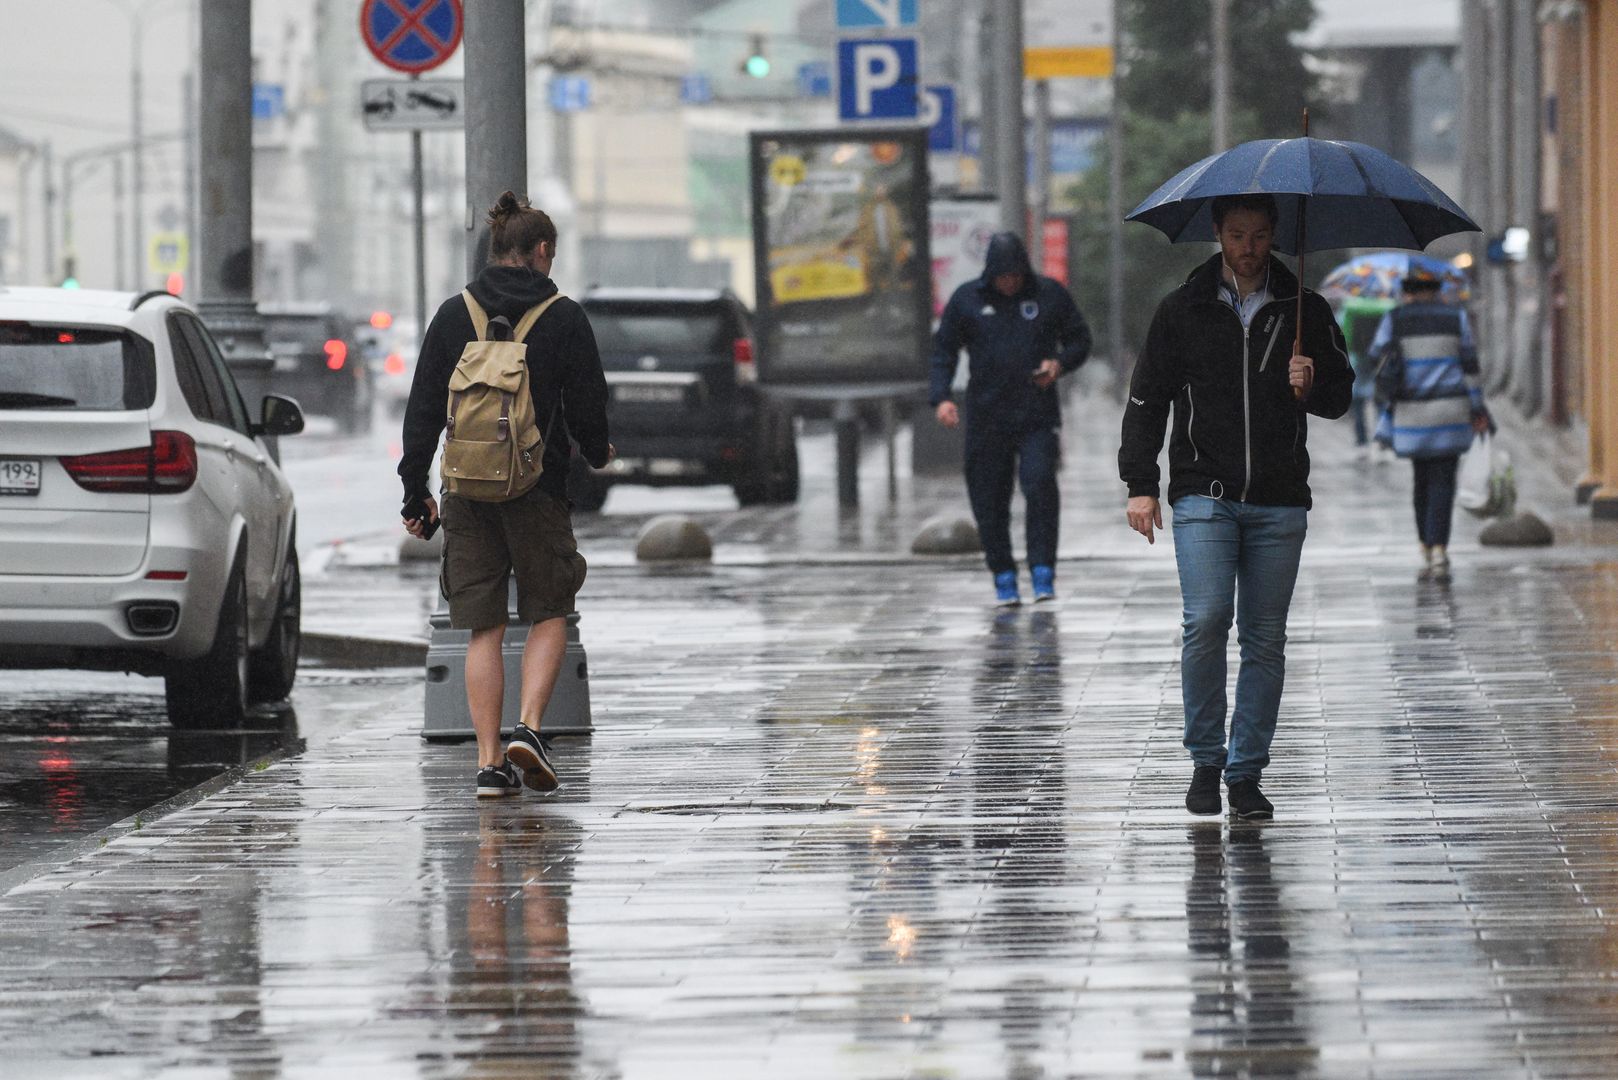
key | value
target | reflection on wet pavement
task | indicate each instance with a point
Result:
(844, 821)
(83, 750)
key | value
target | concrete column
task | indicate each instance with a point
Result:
(224, 247)
(1115, 211)
(1011, 181)
(1528, 374)
(1042, 170)
(1219, 30)
(496, 114)
(1602, 338)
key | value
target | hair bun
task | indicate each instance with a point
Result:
(506, 205)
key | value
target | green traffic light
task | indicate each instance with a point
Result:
(758, 66)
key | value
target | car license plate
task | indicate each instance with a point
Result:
(19, 476)
(648, 393)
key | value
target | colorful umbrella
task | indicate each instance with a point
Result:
(1380, 275)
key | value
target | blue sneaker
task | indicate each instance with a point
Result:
(1044, 583)
(1005, 589)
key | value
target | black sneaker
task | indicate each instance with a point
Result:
(496, 781)
(1203, 795)
(1248, 802)
(527, 751)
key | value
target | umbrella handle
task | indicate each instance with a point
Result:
(1303, 212)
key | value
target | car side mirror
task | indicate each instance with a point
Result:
(281, 416)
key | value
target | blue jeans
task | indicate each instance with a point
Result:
(994, 461)
(1240, 560)
(1435, 497)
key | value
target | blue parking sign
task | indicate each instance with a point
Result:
(938, 113)
(877, 79)
(875, 14)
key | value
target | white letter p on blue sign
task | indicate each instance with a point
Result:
(877, 79)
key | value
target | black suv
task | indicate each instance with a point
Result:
(684, 404)
(318, 363)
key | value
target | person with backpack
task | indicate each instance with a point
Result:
(1429, 389)
(510, 368)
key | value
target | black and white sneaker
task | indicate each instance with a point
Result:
(497, 781)
(526, 750)
(1248, 802)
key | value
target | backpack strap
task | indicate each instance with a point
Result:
(531, 316)
(480, 318)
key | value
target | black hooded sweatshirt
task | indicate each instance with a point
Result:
(1006, 338)
(564, 375)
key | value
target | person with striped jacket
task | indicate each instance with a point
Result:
(1430, 398)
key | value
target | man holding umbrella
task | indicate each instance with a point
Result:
(1225, 354)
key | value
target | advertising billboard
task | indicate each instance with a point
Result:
(840, 244)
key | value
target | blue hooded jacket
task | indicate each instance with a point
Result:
(1006, 338)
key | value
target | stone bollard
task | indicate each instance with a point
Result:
(673, 538)
(413, 550)
(1523, 530)
(946, 534)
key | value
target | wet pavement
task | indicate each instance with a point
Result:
(839, 818)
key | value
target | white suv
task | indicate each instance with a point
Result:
(144, 525)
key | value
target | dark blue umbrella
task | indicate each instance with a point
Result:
(1330, 195)
(1343, 194)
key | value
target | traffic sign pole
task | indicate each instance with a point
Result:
(421, 231)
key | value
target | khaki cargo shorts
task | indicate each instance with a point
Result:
(485, 543)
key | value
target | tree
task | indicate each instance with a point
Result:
(1165, 91)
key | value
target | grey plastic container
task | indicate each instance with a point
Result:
(446, 716)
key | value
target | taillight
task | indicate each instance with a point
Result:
(394, 364)
(336, 353)
(167, 466)
(746, 369)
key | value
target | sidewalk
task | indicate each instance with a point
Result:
(840, 819)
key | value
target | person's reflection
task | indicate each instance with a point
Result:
(516, 966)
(1244, 1002)
(1018, 783)
(1435, 609)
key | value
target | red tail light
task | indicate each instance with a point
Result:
(746, 369)
(336, 353)
(166, 467)
(394, 364)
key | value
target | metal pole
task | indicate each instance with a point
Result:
(188, 94)
(1042, 169)
(846, 420)
(1220, 29)
(68, 260)
(1011, 180)
(135, 137)
(50, 213)
(418, 187)
(496, 112)
(1115, 206)
(224, 249)
(989, 136)
(119, 263)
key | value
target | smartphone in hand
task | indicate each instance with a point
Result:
(415, 509)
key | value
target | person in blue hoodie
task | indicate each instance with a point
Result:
(1021, 332)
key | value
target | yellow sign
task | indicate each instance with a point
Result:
(168, 253)
(788, 170)
(1059, 62)
(799, 275)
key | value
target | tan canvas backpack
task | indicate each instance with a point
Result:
(493, 449)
